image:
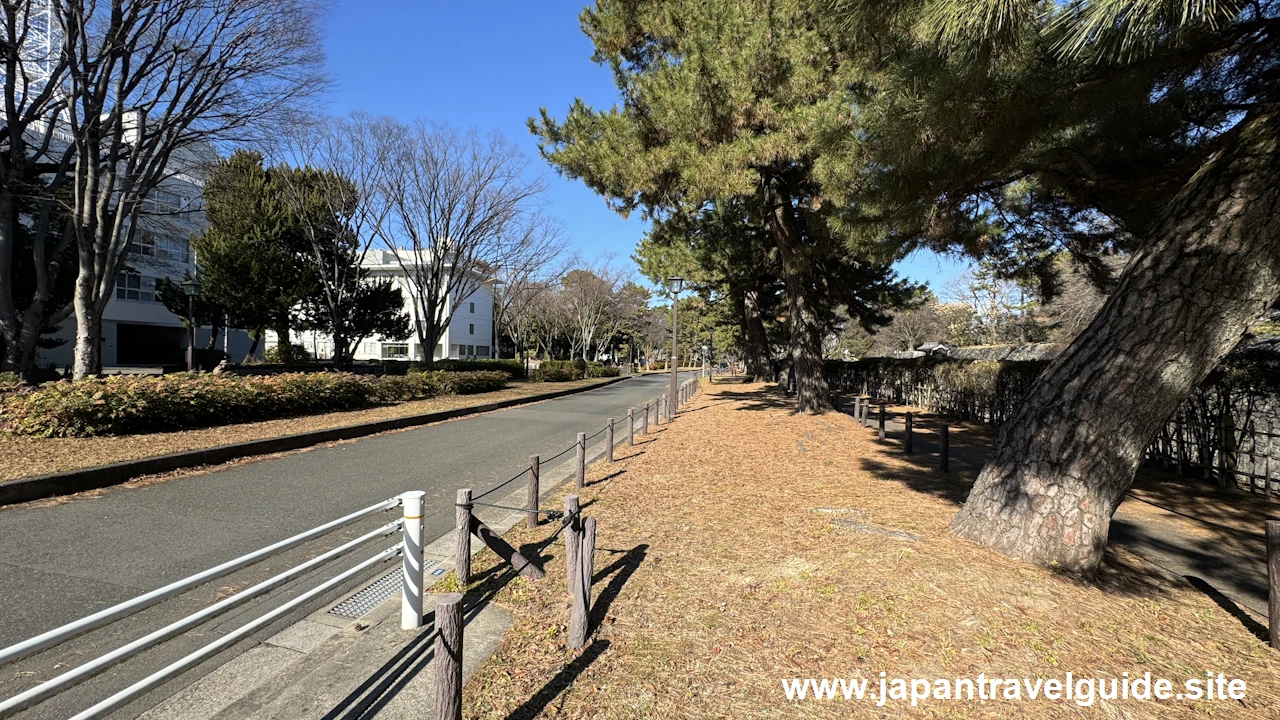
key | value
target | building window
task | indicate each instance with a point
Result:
(472, 330)
(482, 351)
(473, 308)
(395, 351)
(175, 250)
(132, 286)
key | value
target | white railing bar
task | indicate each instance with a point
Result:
(50, 687)
(129, 607)
(124, 696)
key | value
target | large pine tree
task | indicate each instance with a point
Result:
(721, 99)
(1016, 129)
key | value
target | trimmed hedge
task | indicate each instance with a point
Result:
(125, 404)
(513, 368)
(566, 370)
(9, 382)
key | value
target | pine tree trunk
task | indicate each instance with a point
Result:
(755, 344)
(1064, 460)
(806, 330)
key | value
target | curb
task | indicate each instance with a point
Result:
(68, 482)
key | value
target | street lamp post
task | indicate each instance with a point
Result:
(191, 288)
(677, 284)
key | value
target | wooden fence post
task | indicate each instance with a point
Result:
(908, 441)
(581, 478)
(631, 427)
(463, 559)
(1273, 581)
(882, 419)
(580, 619)
(608, 440)
(945, 451)
(645, 430)
(572, 541)
(448, 656)
(532, 491)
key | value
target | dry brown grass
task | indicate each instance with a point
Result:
(720, 571)
(22, 456)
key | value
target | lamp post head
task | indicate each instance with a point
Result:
(676, 282)
(191, 287)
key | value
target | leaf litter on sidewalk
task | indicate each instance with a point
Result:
(721, 569)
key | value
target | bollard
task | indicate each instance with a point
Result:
(580, 614)
(908, 441)
(532, 490)
(411, 552)
(837, 401)
(608, 441)
(645, 431)
(580, 478)
(945, 451)
(631, 427)
(864, 407)
(882, 412)
(572, 541)
(448, 656)
(463, 534)
(1273, 580)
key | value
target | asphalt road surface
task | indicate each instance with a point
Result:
(62, 562)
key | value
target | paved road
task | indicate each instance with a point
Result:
(62, 562)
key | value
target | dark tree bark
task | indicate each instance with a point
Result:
(806, 330)
(1211, 266)
(755, 344)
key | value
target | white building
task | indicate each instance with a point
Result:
(137, 329)
(469, 334)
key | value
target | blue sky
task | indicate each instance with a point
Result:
(491, 66)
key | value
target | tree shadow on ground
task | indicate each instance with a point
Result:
(385, 683)
(606, 478)
(562, 681)
(621, 569)
(757, 400)
(1200, 557)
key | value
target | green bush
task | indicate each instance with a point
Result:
(10, 381)
(552, 374)
(413, 386)
(513, 368)
(124, 404)
(600, 370)
(472, 382)
(286, 354)
(133, 404)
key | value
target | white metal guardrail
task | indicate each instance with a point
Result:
(409, 548)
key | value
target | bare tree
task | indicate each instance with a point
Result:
(145, 90)
(463, 208)
(523, 279)
(339, 201)
(589, 297)
(33, 172)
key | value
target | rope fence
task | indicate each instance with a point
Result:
(579, 536)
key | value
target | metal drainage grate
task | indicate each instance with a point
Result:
(373, 594)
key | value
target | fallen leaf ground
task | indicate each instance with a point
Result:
(733, 553)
